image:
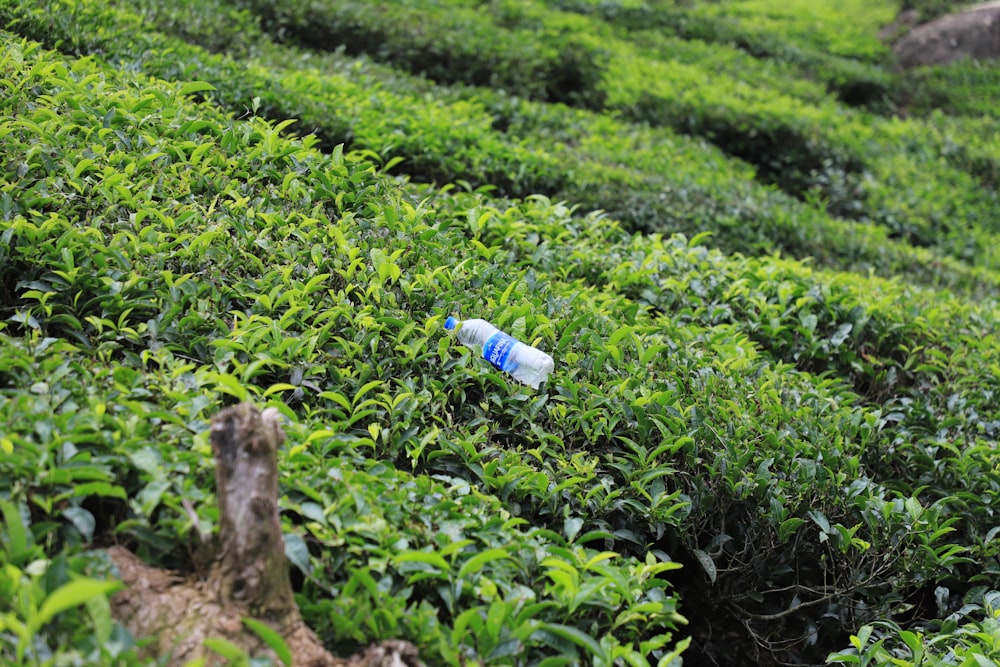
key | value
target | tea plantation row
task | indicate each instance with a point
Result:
(858, 163)
(814, 449)
(651, 179)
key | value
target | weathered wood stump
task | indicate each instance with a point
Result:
(249, 577)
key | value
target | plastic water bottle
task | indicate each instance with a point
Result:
(525, 363)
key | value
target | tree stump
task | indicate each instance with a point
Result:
(249, 577)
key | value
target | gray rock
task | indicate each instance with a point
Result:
(972, 33)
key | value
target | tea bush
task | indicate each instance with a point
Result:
(802, 143)
(974, 642)
(438, 140)
(965, 88)
(728, 433)
(453, 140)
(455, 44)
(786, 65)
(135, 354)
(847, 29)
(452, 43)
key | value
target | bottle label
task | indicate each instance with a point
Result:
(497, 351)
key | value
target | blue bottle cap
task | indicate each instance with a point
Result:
(450, 323)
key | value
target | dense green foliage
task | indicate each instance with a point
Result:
(771, 301)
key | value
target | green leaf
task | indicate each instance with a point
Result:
(599, 558)
(913, 642)
(506, 293)
(228, 384)
(368, 386)
(278, 386)
(25, 318)
(572, 634)
(271, 638)
(100, 615)
(313, 511)
(195, 87)
(558, 661)
(820, 520)
(707, 564)
(428, 557)
(841, 334)
(99, 489)
(476, 563)
(71, 595)
(572, 526)
(470, 617)
(337, 398)
(864, 634)
(788, 527)
(280, 126)
(147, 460)
(913, 508)
(151, 495)
(507, 648)
(82, 166)
(297, 552)
(226, 649)
(17, 534)
(619, 334)
(83, 520)
(844, 658)
(698, 238)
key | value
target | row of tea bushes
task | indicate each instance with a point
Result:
(967, 88)
(854, 82)
(453, 43)
(440, 140)
(809, 148)
(846, 29)
(649, 178)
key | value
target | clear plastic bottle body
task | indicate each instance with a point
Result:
(523, 362)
